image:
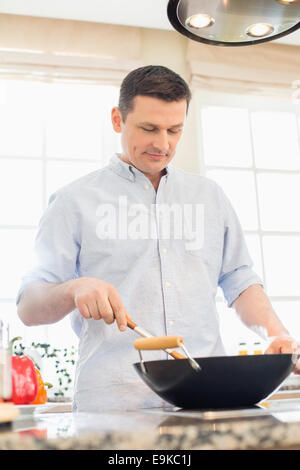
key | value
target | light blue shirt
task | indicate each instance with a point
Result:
(111, 225)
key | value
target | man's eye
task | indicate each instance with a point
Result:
(170, 131)
(147, 130)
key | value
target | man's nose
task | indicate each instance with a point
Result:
(161, 142)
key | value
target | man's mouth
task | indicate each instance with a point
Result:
(155, 156)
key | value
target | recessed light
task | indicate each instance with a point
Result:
(259, 30)
(287, 2)
(199, 21)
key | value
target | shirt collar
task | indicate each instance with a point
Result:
(129, 171)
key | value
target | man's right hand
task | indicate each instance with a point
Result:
(98, 299)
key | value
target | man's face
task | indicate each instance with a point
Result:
(150, 132)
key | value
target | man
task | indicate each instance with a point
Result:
(142, 238)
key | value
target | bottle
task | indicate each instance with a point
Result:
(257, 348)
(5, 362)
(242, 349)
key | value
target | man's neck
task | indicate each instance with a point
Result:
(155, 179)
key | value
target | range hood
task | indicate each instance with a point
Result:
(234, 22)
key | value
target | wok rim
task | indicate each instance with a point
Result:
(245, 357)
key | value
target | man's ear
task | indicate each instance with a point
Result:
(116, 119)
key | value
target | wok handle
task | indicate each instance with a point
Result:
(159, 342)
(145, 334)
(165, 342)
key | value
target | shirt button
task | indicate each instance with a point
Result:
(146, 186)
(168, 284)
(164, 250)
(171, 322)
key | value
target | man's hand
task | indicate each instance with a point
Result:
(285, 344)
(98, 299)
(255, 310)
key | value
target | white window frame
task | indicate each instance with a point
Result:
(44, 159)
(204, 98)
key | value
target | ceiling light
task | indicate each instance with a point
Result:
(259, 30)
(199, 21)
(287, 2)
(234, 22)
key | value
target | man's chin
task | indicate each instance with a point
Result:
(146, 164)
(155, 166)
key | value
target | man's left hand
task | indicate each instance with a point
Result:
(285, 345)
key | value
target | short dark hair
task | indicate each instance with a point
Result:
(155, 81)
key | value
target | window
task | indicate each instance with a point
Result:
(250, 147)
(51, 134)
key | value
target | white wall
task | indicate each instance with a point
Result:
(168, 48)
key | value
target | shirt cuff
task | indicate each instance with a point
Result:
(235, 282)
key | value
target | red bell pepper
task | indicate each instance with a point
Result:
(42, 396)
(24, 379)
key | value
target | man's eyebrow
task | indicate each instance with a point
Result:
(154, 125)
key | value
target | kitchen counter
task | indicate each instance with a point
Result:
(275, 424)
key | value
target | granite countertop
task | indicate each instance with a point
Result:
(276, 424)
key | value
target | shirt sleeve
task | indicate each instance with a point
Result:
(56, 245)
(237, 272)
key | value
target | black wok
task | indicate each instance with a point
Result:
(219, 382)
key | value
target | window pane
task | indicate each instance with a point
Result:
(69, 121)
(282, 261)
(226, 136)
(279, 196)
(21, 118)
(60, 336)
(78, 120)
(253, 245)
(289, 314)
(60, 173)
(17, 256)
(8, 311)
(275, 139)
(239, 186)
(20, 191)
